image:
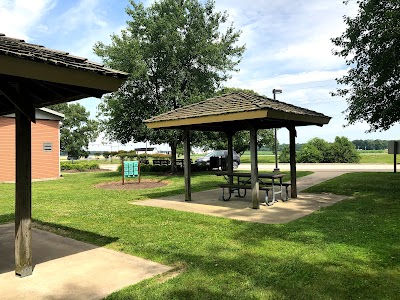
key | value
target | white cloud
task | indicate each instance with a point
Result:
(285, 80)
(18, 17)
(85, 15)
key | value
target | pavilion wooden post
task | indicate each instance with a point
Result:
(187, 164)
(292, 138)
(229, 136)
(23, 196)
(255, 191)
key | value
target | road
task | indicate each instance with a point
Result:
(325, 167)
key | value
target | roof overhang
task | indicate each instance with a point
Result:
(235, 112)
(58, 74)
(241, 120)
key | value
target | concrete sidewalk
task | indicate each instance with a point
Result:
(207, 202)
(324, 167)
(68, 269)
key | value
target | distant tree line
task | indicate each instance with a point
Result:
(359, 144)
(371, 144)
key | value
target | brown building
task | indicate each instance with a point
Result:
(45, 145)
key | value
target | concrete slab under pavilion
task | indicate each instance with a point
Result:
(208, 203)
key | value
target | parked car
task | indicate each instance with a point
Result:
(205, 160)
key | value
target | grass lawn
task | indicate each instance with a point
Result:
(346, 251)
(376, 158)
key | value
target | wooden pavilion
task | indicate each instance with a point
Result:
(236, 112)
(32, 76)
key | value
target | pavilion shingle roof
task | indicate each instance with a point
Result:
(232, 103)
(20, 49)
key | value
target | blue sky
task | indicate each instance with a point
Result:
(288, 47)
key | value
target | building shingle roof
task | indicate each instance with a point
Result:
(233, 103)
(20, 49)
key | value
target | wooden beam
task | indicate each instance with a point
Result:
(229, 136)
(17, 96)
(23, 196)
(187, 164)
(292, 138)
(255, 190)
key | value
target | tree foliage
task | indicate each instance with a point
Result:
(343, 151)
(77, 130)
(310, 154)
(319, 151)
(371, 47)
(176, 53)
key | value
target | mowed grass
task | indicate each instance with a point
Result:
(346, 251)
(377, 158)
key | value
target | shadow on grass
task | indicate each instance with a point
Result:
(73, 233)
(268, 276)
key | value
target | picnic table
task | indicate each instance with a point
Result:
(161, 162)
(180, 162)
(267, 181)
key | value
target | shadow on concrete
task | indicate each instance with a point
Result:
(47, 246)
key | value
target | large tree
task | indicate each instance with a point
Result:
(177, 53)
(77, 130)
(371, 47)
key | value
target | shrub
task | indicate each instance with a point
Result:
(309, 154)
(284, 156)
(344, 151)
(164, 169)
(79, 165)
(149, 168)
(324, 148)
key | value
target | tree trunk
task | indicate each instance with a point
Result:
(173, 156)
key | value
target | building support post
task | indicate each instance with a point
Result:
(23, 196)
(229, 136)
(187, 164)
(255, 190)
(293, 182)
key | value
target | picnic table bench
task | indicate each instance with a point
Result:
(243, 184)
(161, 162)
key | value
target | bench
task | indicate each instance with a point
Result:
(269, 184)
(285, 184)
(161, 162)
(245, 187)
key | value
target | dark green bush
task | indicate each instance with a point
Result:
(164, 169)
(79, 165)
(309, 154)
(284, 156)
(344, 151)
(150, 168)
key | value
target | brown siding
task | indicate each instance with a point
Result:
(44, 164)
